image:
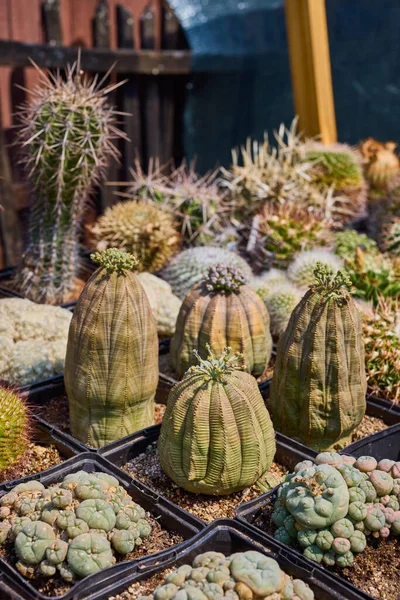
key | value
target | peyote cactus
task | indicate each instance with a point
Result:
(164, 304)
(280, 302)
(222, 311)
(319, 383)
(390, 237)
(14, 429)
(191, 266)
(33, 340)
(243, 575)
(331, 508)
(347, 242)
(301, 270)
(216, 436)
(111, 366)
(145, 230)
(55, 529)
(67, 134)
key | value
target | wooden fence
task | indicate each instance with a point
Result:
(144, 40)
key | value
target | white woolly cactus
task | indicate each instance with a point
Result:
(280, 302)
(33, 340)
(164, 304)
(268, 280)
(301, 270)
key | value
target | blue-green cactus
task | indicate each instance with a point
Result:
(89, 553)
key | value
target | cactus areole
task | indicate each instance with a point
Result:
(111, 367)
(216, 437)
(319, 383)
(222, 311)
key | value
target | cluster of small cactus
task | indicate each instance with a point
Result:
(332, 507)
(164, 304)
(191, 266)
(33, 340)
(348, 240)
(67, 136)
(390, 237)
(140, 228)
(75, 528)
(111, 366)
(241, 576)
(216, 436)
(221, 311)
(301, 271)
(373, 275)
(14, 429)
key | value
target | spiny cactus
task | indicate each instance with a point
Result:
(111, 367)
(319, 383)
(381, 163)
(390, 237)
(145, 230)
(14, 428)
(76, 527)
(67, 136)
(265, 282)
(250, 574)
(164, 304)
(332, 508)
(280, 301)
(301, 270)
(216, 436)
(222, 311)
(191, 266)
(374, 275)
(347, 242)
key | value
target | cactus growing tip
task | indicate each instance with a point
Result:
(221, 278)
(114, 260)
(214, 368)
(329, 282)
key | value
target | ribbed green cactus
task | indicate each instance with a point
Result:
(14, 428)
(319, 382)
(67, 136)
(216, 436)
(222, 311)
(111, 367)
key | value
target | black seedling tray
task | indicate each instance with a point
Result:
(384, 444)
(170, 516)
(228, 537)
(394, 407)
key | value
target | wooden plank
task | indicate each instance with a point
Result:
(17, 54)
(101, 25)
(52, 22)
(151, 92)
(310, 67)
(170, 37)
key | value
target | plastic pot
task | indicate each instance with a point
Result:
(384, 444)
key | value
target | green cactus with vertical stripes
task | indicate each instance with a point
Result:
(14, 429)
(216, 436)
(111, 367)
(319, 383)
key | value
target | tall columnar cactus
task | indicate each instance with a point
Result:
(67, 136)
(14, 429)
(222, 311)
(319, 382)
(111, 367)
(216, 436)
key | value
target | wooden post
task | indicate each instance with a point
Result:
(308, 42)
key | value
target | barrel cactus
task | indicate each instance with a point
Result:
(191, 266)
(381, 163)
(67, 136)
(280, 302)
(14, 429)
(216, 436)
(301, 270)
(319, 382)
(145, 230)
(222, 311)
(111, 366)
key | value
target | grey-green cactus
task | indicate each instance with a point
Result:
(67, 134)
(191, 266)
(241, 576)
(280, 302)
(325, 510)
(301, 270)
(111, 366)
(53, 529)
(319, 382)
(216, 436)
(164, 304)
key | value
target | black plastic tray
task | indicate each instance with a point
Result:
(171, 517)
(384, 444)
(228, 537)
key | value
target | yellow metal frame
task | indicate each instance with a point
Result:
(310, 66)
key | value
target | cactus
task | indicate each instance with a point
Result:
(390, 237)
(347, 242)
(280, 302)
(191, 266)
(374, 275)
(14, 430)
(145, 230)
(301, 270)
(243, 575)
(221, 311)
(319, 383)
(72, 538)
(216, 436)
(164, 304)
(67, 134)
(265, 282)
(381, 164)
(111, 366)
(332, 516)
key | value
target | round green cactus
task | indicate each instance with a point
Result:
(89, 553)
(280, 302)
(14, 429)
(301, 270)
(57, 552)
(98, 514)
(32, 542)
(113, 335)
(216, 436)
(347, 241)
